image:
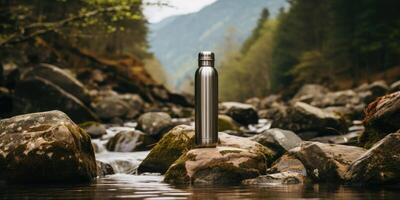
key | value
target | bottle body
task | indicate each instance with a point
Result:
(206, 105)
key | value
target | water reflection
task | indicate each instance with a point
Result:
(122, 186)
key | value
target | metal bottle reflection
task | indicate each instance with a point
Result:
(206, 101)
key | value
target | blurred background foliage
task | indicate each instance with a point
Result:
(336, 43)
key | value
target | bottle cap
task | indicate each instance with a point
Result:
(206, 58)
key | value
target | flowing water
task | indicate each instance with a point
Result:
(126, 185)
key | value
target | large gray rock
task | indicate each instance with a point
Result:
(381, 118)
(126, 106)
(303, 117)
(45, 147)
(379, 165)
(155, 123)
(326, 162)
(244, 114)
(129, 141)
(278, 140)
(62, 79)
(38, 94)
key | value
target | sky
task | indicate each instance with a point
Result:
(176, 7)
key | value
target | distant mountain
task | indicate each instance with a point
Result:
(176, 40)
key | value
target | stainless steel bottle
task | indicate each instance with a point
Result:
(206, 101)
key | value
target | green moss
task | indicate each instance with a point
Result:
(167, 150)
(177, 173)
(226, 123)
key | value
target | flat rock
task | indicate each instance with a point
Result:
(181, 139)
(216, 166)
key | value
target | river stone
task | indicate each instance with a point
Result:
(326, 162)
(381, 118)
(379, 165)
(244, 114)
(45, 147)
(129, 141)
(125, 106)
(303, 117)
(62, 79)
(39, 94)
(214, 166)
(287, 170)
(308, 92)
(227, 123)
(155, 123)
(278, 140)
(181, 139)
(94, 129)
(104, 169)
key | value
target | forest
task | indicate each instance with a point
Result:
(335, 43)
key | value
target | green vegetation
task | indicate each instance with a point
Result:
(106, 27)
(315, 42)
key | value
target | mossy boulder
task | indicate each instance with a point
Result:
(326, 162)
(227, 123)
(45, 147)
(214, 166)
(381, 118)
(174, 143)
(379, 165)
(181, 139)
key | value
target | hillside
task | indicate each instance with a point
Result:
(176, 40)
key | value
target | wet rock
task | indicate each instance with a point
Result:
(381, 118)
(38, 94)
(214, 166)
(278, 140)
(326, 162)
(45, 147)
(62, 79)
(104, 169)
(242, 113)
(155, 123)
(94, 129)
(129, 141)
(379, 165)
(287, 170)
(181, 139)
(394, 87)
(275, 110)
(227, 123)
(126, 106)
(303, 117)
